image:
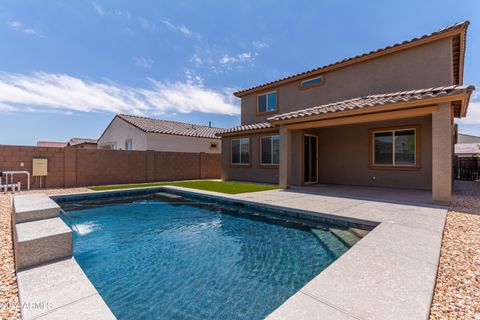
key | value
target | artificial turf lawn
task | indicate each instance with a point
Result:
(217, 186)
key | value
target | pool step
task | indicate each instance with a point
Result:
(346, 236)
(333, 244)
(359, 232)
(41, 241)
(34, 207)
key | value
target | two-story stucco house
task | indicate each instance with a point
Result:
(127, 132)
(384, 118)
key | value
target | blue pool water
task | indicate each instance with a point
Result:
(158, 257)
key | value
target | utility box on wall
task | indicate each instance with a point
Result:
(39, 167)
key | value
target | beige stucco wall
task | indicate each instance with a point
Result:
(424, 66)
(168, 142)
(254, 172)
(342, 156)
(119, 131)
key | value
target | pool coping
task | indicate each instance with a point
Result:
(51, 284)
(386, 275)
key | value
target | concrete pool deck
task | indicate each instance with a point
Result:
(389, 274)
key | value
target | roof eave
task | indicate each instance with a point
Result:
(247, 132)
(375, 109)
(461, 31)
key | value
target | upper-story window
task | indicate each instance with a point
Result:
(312, 82)
(267, 102)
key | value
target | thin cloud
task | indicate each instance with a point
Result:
(260, 44)
(98, 8)
(60, 92)
(180, 28)
(147, 25)
(241, 57)
(196, 60)
(144, 62)
(20, 26)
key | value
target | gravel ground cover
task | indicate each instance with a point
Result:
(457, 291)
(9, 305)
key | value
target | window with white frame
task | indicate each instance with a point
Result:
(240, 151)
(267, 102)
(395, 148)
(128, 144)
(270, 150)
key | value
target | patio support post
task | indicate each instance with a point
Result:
(442, 148)
(285, 157)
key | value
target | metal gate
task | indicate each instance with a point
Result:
(467, 168)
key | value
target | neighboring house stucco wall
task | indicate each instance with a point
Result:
(465, 138)
(425, 66)
(169, 142)
(119, 131)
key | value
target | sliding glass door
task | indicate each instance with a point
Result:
(310, 165)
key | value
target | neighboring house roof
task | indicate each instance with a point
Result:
(467, 138)
(458, 30)
(467, 148)
(75, 141)
(374, 101)
(248, 127)
(171, 127)
(51, 144)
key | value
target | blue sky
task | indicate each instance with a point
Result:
(80, 62)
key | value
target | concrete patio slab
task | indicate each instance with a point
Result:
(32, 207)
(59, 288)
(405, 241)
(373, 283)
(90, 308)
(302, 306)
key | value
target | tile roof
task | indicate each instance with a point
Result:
(374, 101)
(456, 26)
(247, 127)
(467, 148)
(171, 127)
(51, 144)
(75, 141)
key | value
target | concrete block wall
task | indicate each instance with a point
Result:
(12, 158)
(72, 167)
(99, 167)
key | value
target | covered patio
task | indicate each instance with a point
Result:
(346, 144)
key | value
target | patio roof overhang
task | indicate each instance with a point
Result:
(389, 106)
(458, 95)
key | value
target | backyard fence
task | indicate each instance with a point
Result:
(467, 168)
(71, 167)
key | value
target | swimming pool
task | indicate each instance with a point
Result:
(165, 256)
